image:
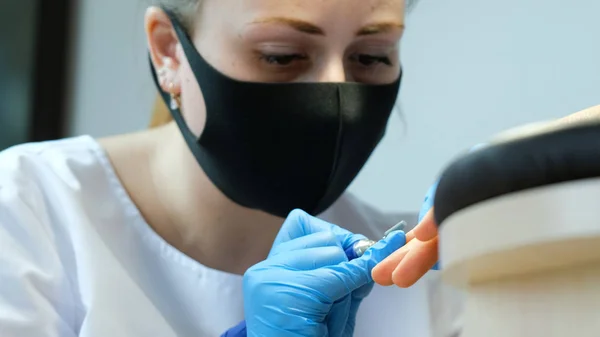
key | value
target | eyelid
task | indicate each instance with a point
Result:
(376, 50)
(297, 57)
(289, 61)
(376, 45)
(279, 48)
(373, 54)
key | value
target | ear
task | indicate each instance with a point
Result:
(162, 44)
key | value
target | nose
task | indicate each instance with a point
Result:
(332, 70)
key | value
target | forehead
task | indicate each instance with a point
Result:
(326, 7)
(326, 12)
(320, 4)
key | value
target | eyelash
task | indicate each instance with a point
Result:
(281, 60)
(371, 60)
(286, 60)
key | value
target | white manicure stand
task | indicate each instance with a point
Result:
(529, 262)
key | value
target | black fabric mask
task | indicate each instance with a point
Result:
(280, 146)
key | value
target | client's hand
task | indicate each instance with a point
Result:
(307, 286)
(408, 264)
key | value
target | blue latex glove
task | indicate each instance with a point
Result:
(428, 201)
(307, 286)
(426, 206)
(237, 331)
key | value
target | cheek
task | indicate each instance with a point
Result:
(192, 101)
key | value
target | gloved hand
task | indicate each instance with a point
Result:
(307, 286)
(428, 201)
(425, 208)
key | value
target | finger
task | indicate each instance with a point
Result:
(426, 229)
(299, 223)
(382, 273)
(321, 239)
(338, 317)
(420, 258)
(410, 235)
(310, 258)
(356, 299)
(362, 292)
(348, 277)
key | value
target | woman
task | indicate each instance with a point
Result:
(277, 106)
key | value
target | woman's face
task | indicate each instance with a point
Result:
(281, 41)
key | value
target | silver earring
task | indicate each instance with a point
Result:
(174, 104)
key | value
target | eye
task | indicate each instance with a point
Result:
(282, 60)
(371, 60)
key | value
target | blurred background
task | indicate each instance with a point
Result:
(472, 68)
(35, 39)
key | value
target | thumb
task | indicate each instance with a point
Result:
(346, 277)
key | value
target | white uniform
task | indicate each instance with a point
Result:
(78, 259)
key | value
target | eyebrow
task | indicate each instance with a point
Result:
(309, 28)
(377, 28)
(299, 25)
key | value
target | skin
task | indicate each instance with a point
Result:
(250, 40)
(408, 264)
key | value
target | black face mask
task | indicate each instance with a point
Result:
(280, 146)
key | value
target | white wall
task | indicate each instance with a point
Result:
(111, 91)
(472, 68)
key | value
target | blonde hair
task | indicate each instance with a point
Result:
(160, 114)
(185, 10)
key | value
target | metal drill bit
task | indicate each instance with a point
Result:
(397, 227)
(361, 246)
